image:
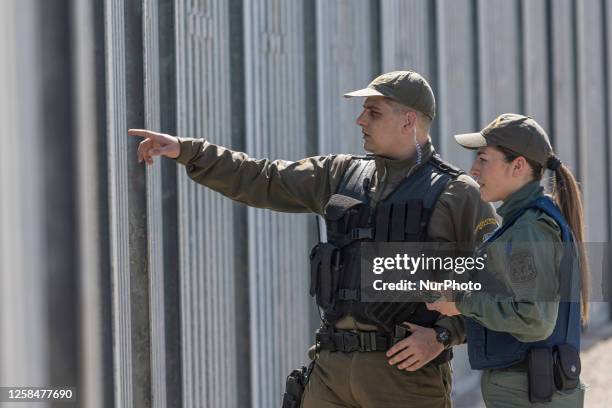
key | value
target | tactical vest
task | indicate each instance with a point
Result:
(401, 217)
(492, 349)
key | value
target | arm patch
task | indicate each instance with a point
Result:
(522, 268)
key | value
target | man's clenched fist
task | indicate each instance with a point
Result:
(155, 144)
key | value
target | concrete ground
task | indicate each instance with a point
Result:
(596, 372)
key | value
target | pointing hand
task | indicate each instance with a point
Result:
(155, 144)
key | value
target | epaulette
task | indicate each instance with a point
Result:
(445, 166)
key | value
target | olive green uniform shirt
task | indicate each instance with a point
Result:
(306, 186)
(528, 306)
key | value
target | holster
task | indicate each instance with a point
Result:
(549, 369)
(295, 386)
(540, 375)
(566, 367)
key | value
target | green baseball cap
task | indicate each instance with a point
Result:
(519, 133)
(405, 87)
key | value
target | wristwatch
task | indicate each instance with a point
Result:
(443, 336)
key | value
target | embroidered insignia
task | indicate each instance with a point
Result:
(522, 268)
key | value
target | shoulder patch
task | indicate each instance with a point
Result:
(485, 222)
(522, 267)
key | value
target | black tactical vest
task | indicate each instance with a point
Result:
(401, 217)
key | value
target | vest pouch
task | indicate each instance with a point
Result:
(344, 215)
(566, 368)
(401, 221)
(325, 265)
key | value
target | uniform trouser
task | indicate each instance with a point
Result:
(507, 388)
(366, 380)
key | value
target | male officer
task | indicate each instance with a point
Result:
(403, 192)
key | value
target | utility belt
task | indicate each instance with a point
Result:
(348, 341)
(550, 368)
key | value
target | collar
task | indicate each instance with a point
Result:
(396, 170)
(520, 198)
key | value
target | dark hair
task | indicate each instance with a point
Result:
(566, 194)
(398, 107)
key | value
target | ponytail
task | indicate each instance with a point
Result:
(566, 194)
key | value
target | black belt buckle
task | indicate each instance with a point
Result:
(350, 342)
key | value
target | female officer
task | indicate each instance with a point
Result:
(525, 335)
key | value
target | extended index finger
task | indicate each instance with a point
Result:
(143, 133)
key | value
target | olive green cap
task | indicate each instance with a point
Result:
(519, 133)
(405, 87)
